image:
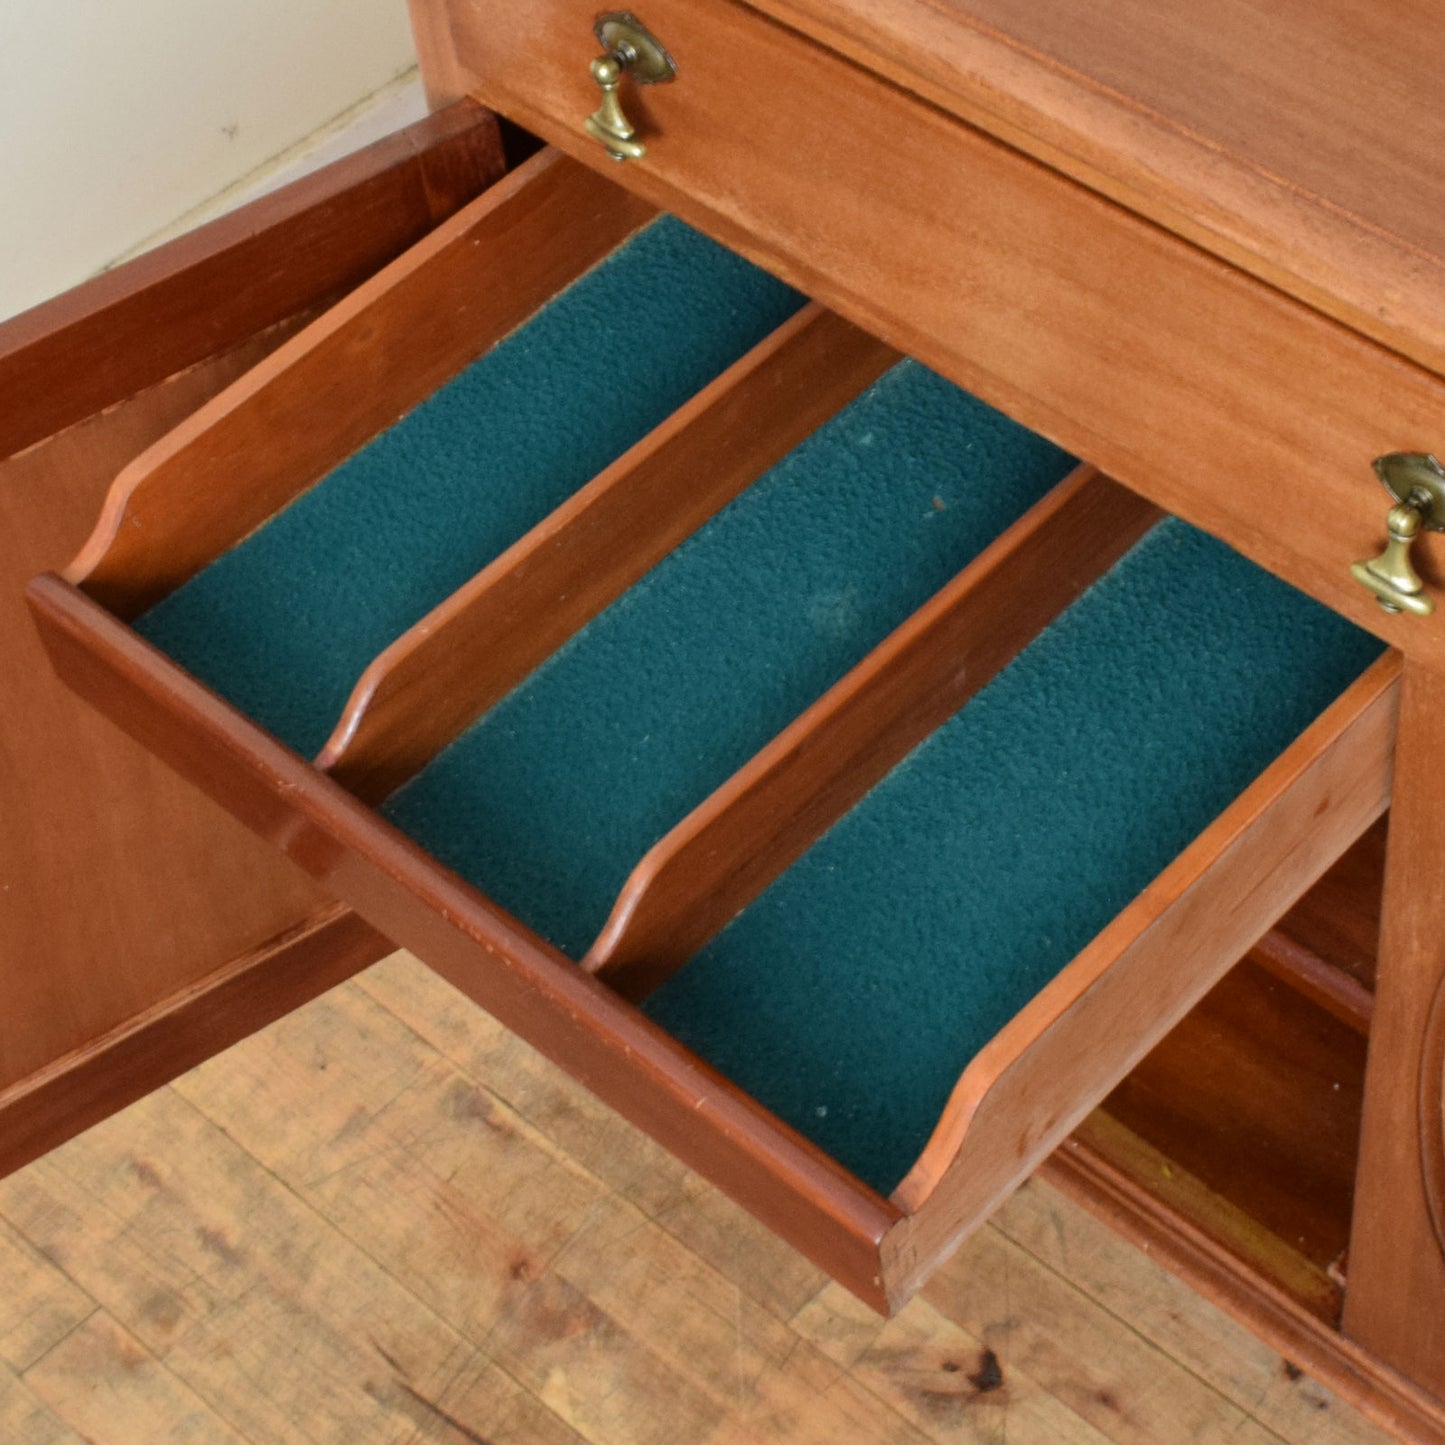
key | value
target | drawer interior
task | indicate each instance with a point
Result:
(851, 994)
(935, 908)
(284, 623)
(548, 801)
(802, 752)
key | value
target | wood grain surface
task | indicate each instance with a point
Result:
(1020, 1096)
(385, 1219)
(222, 283)
(1310, 1345)
(1286, 137)
(1217, 397)
(1395, 1304)
(1318, 979)
(120, 883)
(782, 1178)
(1252, 1250)
(1255, 1096)
(1339, 918)
(389, 344)
(184, 1028)
(1432, 1112)
(443, 673)
(122, 889)
(1034, 1081)
(709, 867)
(431, 30)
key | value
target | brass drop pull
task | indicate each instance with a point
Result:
(1417, 483)
(629, 49)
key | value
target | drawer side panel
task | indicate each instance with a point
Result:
(1041, 1074)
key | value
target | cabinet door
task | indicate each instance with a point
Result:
(140, 928)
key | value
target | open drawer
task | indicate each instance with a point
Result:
(829, 773)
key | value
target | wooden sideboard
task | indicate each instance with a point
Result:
(1179, 254)
(1202, 249)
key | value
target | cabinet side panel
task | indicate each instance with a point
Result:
(1395, 1286)
(436, 52)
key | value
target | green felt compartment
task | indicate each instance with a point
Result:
(849, 997)
(549, 801)
(284, 623)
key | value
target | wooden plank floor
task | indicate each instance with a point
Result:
(385, 1220)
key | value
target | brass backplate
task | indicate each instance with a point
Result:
(639, 51)
(1408, 475)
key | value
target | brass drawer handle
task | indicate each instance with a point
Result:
(628, 49)
(1417, 483)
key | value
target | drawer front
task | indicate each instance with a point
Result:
(1203, 389)
(790, 462)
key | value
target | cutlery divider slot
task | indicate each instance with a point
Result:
(436, 679)
(710, 866)
(853, 993)
(295, 527)
(548, 801)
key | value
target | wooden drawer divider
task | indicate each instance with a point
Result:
(1017, 1099)
(720, 857)
(207, 486)
(573, 1018)
(1028, 1088)
(440, 676)
(371, 358)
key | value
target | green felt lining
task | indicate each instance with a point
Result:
(850, 996)
(284, 623)
(549, 801)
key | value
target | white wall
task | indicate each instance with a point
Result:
(117, 117)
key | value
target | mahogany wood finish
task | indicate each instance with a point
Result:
(1397, 1260)
(182, 1030)
(1204, 389)
(1292, 145)
(1432, 1112)
(431, 29)
(90, 938)
(1323, 983)
(127, 893)
(1339, 918)
(364, 363)
(1286, 137)
(732, 846)
(568, 1015)
(439, 677)
(1038, 1077)
(1231, 1228)
(219, 285)
(1256, 1095)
